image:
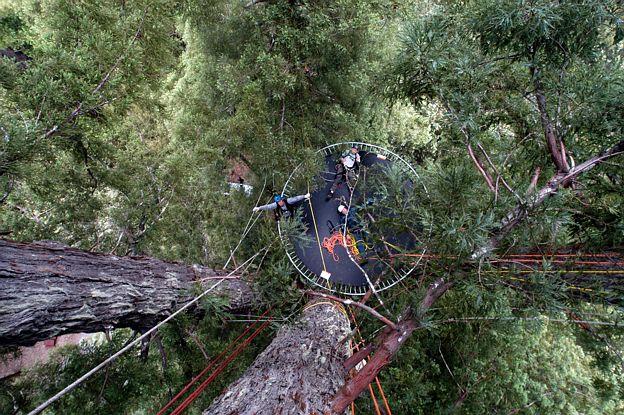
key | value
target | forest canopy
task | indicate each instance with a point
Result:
(122, 125)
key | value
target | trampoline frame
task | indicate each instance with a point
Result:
(321, 282)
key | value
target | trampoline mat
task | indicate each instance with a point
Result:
(324, 220)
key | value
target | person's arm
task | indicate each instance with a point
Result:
(295, 199)
(357, 157)
(270, 206)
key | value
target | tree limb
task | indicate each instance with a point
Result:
(488, 179)
(390, 341)
(499, 176)
(534, 180)
(364, 307)
(553, 142)
(78, 110)
(559, 180)
(48, 289)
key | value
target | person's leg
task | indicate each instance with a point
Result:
(340, 173)
(351, 176)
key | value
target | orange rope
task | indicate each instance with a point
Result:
(377, 411)
(370, 388)
(383, 396)
(337, 238)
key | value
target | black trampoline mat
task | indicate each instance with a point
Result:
(343, 269)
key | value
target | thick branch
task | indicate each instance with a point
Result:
(559, 180)
(390, 341)
(553, 142)
(48, 289)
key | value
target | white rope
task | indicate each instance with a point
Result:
(90, 373)
(546, 319)
(344, 239)
(247, 227)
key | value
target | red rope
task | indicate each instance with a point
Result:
(218, 370)
(370, 387)
(210, 365)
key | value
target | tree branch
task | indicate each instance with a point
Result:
(479, 165)
(390, 341)
(553, 142)
(364, 307)
(534, 180)
(78, 110)
(499, 176)
(559, 180)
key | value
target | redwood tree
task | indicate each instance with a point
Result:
(48, 289)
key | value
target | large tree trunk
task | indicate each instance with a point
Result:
(48, 289)
(298, 373)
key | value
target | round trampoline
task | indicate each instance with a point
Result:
(348, 253)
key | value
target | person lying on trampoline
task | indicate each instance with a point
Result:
(346, 169)
(349, 217)
(282, 206)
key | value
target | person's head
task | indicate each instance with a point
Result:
(354, 150)
(342, 209)
(279, 200)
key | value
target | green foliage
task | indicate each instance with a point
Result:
(119, 133)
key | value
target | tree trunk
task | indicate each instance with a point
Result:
(48, 289)
(298, 373)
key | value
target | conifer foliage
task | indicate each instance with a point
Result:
(121, 123)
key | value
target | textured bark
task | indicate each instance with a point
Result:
(48, 289)
(298, 373)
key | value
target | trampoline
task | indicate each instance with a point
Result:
(321, 256)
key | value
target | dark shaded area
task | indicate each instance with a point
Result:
(18, 56)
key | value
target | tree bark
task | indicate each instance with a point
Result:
(48, 289)
(298, 373)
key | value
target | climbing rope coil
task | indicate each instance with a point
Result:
(348, 241)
